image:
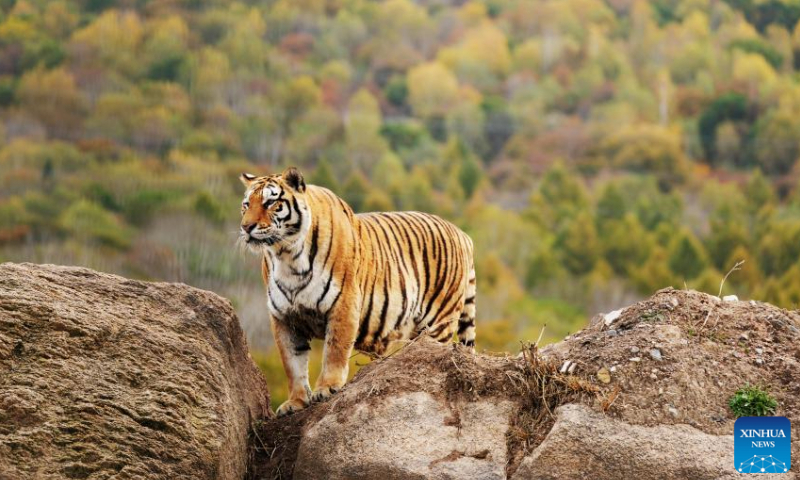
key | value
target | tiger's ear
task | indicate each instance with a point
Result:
(247, 179)
(294, 178)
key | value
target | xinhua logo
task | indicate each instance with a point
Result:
(762, 445)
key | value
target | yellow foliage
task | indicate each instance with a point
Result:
(15, 29)
(212, 68)
(58, 18)
(115, 38)
(648, 148)
(528, 56)
(167, 34)
(473, 13)
(697, 25)
(432, 89)
(483, 48)
(23, 9)
(753, 69)
(53, 97)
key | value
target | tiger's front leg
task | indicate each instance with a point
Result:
(340, 335)
(294, 355)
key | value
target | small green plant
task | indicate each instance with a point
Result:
(751, 401)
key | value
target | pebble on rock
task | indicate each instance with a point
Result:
(609, 317)
(603, 375)
(565, 366)
(655, 354)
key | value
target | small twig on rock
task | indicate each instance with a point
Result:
(255, 431)
(540, 335)
(706, 319)
(735, 268)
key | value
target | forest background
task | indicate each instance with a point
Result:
(595, 150)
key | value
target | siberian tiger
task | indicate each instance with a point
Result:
(354, 280)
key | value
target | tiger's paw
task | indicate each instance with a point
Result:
(290, 406)
(323, 393)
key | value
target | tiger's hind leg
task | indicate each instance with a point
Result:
(466, 323)
(442, 330)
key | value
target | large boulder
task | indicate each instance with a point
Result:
(640, 393)
(586, 444)
(104, 377)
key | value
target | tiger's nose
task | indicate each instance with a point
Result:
(248, 227)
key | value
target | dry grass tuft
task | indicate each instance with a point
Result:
(542, 389)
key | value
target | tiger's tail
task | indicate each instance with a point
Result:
(466, 323)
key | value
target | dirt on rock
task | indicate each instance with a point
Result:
(679, 356)
(104, 377)
(668, 364)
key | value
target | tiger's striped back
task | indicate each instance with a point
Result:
(416, 276)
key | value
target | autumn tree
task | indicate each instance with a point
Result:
(687, 258)
(54, 99)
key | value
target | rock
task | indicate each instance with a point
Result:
(610, 317)
(612, 333)
(744, 336)
(730, 298)
(586, 444)
(357, 447)
(655, 354)
(565, 366)
(414, 433)
(634, 349)
(635, 359)
(759, 351)
(759, 361)
(110, 377)
(777, 322)
(603, 375)
(674, 412)
(669, 334)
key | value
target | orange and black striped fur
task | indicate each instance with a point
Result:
(358, 281)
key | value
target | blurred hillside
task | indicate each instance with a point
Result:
(595, 151)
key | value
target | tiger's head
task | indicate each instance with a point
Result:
(274, 209)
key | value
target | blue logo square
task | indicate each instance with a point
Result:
(762, 445)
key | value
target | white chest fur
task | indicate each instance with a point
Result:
(295, 284)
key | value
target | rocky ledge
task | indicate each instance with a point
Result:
(640, 393)
(104, 377)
